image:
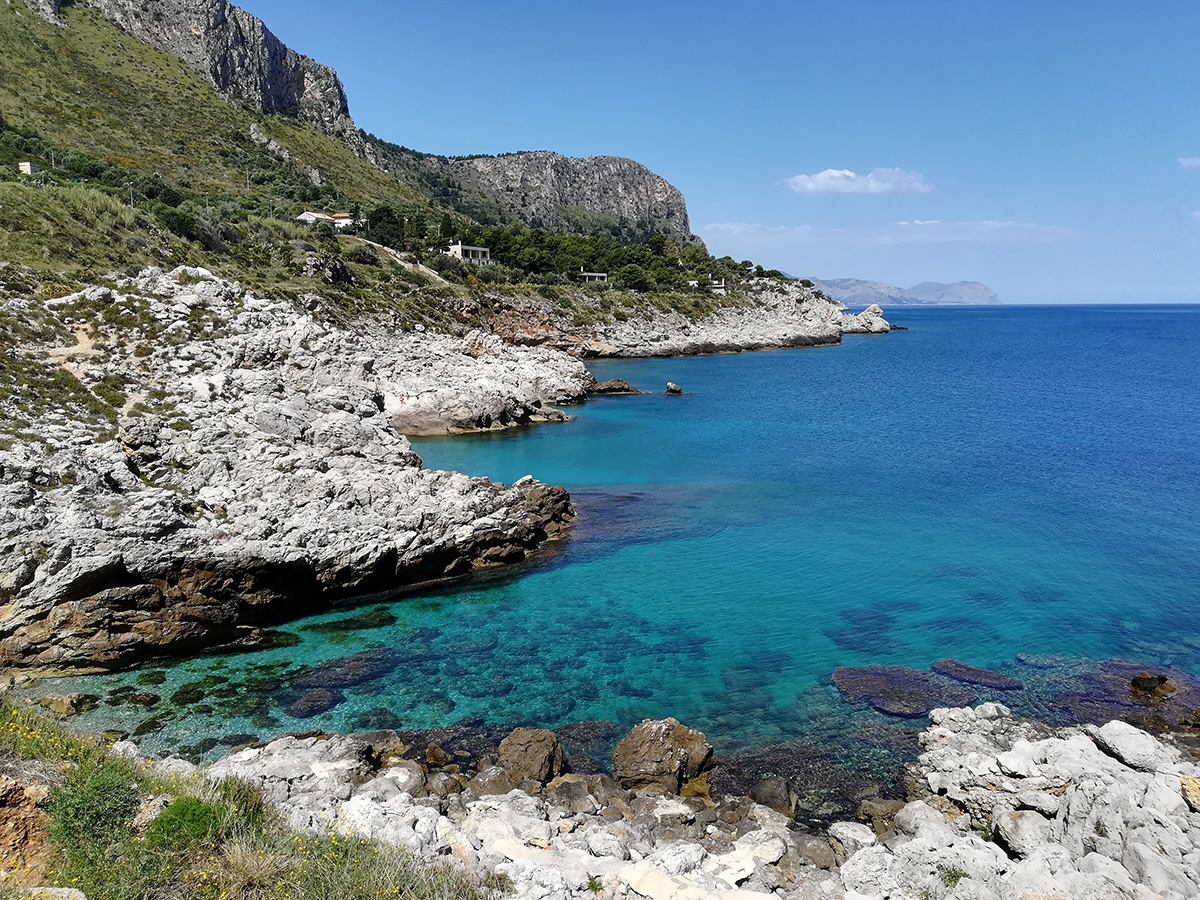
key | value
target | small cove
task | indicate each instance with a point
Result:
(1012, 487)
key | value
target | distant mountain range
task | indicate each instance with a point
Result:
(856, 292)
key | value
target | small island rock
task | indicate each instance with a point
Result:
(614, 386)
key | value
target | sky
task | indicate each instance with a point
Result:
(1050, 150)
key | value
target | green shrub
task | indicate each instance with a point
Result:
(363, 255)
(184, 822)
(94, 804)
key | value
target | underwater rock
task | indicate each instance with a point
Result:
(1107, 690)
(961, 671)
(899, 691)
(372, 618)
(369, 665)
(488, 686)
(315, 702)
(378, 719)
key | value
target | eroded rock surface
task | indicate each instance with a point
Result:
(1080, 812)
(259, 474)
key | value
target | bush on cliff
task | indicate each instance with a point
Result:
(210, 841)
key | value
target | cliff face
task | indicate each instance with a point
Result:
(552, 189)
(237, 52)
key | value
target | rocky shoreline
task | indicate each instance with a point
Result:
(253, 467)
(997, 807)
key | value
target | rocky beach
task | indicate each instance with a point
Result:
(996, 807)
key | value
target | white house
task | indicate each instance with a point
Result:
(480, 256)
(28, 168)
(337, 220)
(590, 277)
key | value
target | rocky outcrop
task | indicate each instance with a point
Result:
(237, 53)
(260, 477)
(767, 314)
(550, 189)
(1080, 812)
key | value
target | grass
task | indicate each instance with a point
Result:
(212, 841)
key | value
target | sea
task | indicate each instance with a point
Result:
(1017, 488)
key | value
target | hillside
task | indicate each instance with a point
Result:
(243, 62)
(90, 87)
(856, 292)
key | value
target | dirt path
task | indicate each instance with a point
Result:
(400, 261)
(84, 347)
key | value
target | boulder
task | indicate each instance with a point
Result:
(492, 780)
(661, 755)
(1132, 746)
(531, 753)
(673, 388)
(68, 704)
(1152, 686)
(850, 837)
(1021, 832)
(775, 793)
(1191, 792)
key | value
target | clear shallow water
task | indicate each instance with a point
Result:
(991, 483)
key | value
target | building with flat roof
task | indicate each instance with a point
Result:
(590, 277)
(28, 168)
(480, 256)
(337, 220)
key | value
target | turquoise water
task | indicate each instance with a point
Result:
(996, 485)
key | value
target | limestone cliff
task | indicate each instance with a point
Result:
(552, 190)
(237, 52)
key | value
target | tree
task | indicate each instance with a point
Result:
(385, 227)
(635, 278)
(446, 230)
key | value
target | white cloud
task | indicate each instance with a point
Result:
(986, 231)
(843, 181)
(931, 231)
(751, 228)
(1189, 162)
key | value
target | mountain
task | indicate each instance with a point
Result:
(245, 63)
(960, 293)
(856, 292)
(560, 192)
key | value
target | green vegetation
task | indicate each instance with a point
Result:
(143, 164)
(210, 841)
(951, 875)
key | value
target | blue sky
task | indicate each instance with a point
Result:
(1035, 147)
